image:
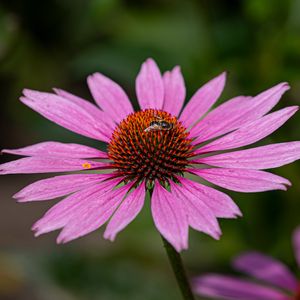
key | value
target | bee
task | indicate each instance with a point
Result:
(159, 124)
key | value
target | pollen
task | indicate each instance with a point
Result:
(86, 165)
(149, 145)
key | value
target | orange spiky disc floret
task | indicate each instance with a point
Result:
(141, 151)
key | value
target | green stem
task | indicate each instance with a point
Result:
(178, 269)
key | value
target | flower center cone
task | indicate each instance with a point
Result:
(150, 145)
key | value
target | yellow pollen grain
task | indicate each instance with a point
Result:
(86, 165)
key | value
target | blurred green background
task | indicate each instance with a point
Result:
(57, 43)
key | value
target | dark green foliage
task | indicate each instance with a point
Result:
(57, 43)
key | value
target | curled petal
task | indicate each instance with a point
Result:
(110, 97)
(243, 180)
(174, 91)
(203, 100)
(149, 86)
(59, 150)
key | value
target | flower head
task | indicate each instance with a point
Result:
(145, 150)
(152, 149)
(275, 280)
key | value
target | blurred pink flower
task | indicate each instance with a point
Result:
(152, 149)
(274, 281)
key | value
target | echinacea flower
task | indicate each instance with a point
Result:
(152, 149)
(273, 279)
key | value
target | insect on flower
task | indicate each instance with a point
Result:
(159, 124)
(152, 150)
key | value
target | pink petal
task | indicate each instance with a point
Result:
(237, 112)
(223, 119)
(174, 91)
(202, 100)
(200, 216)
(58, 186)
(252, 132)
(149, 86)
(296, 244)
(67, 114)
(89, 107)
(267, 269)
(243, 180)
(126, 213)
(59, 150)
(110, 97)
(96, 211)
(264, 157)
(61, 213)
(169, 217)
(232, 288)
(48, 164)
(220, 204)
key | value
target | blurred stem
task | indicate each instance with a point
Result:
(179, 271)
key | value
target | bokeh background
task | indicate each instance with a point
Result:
(57, 43)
